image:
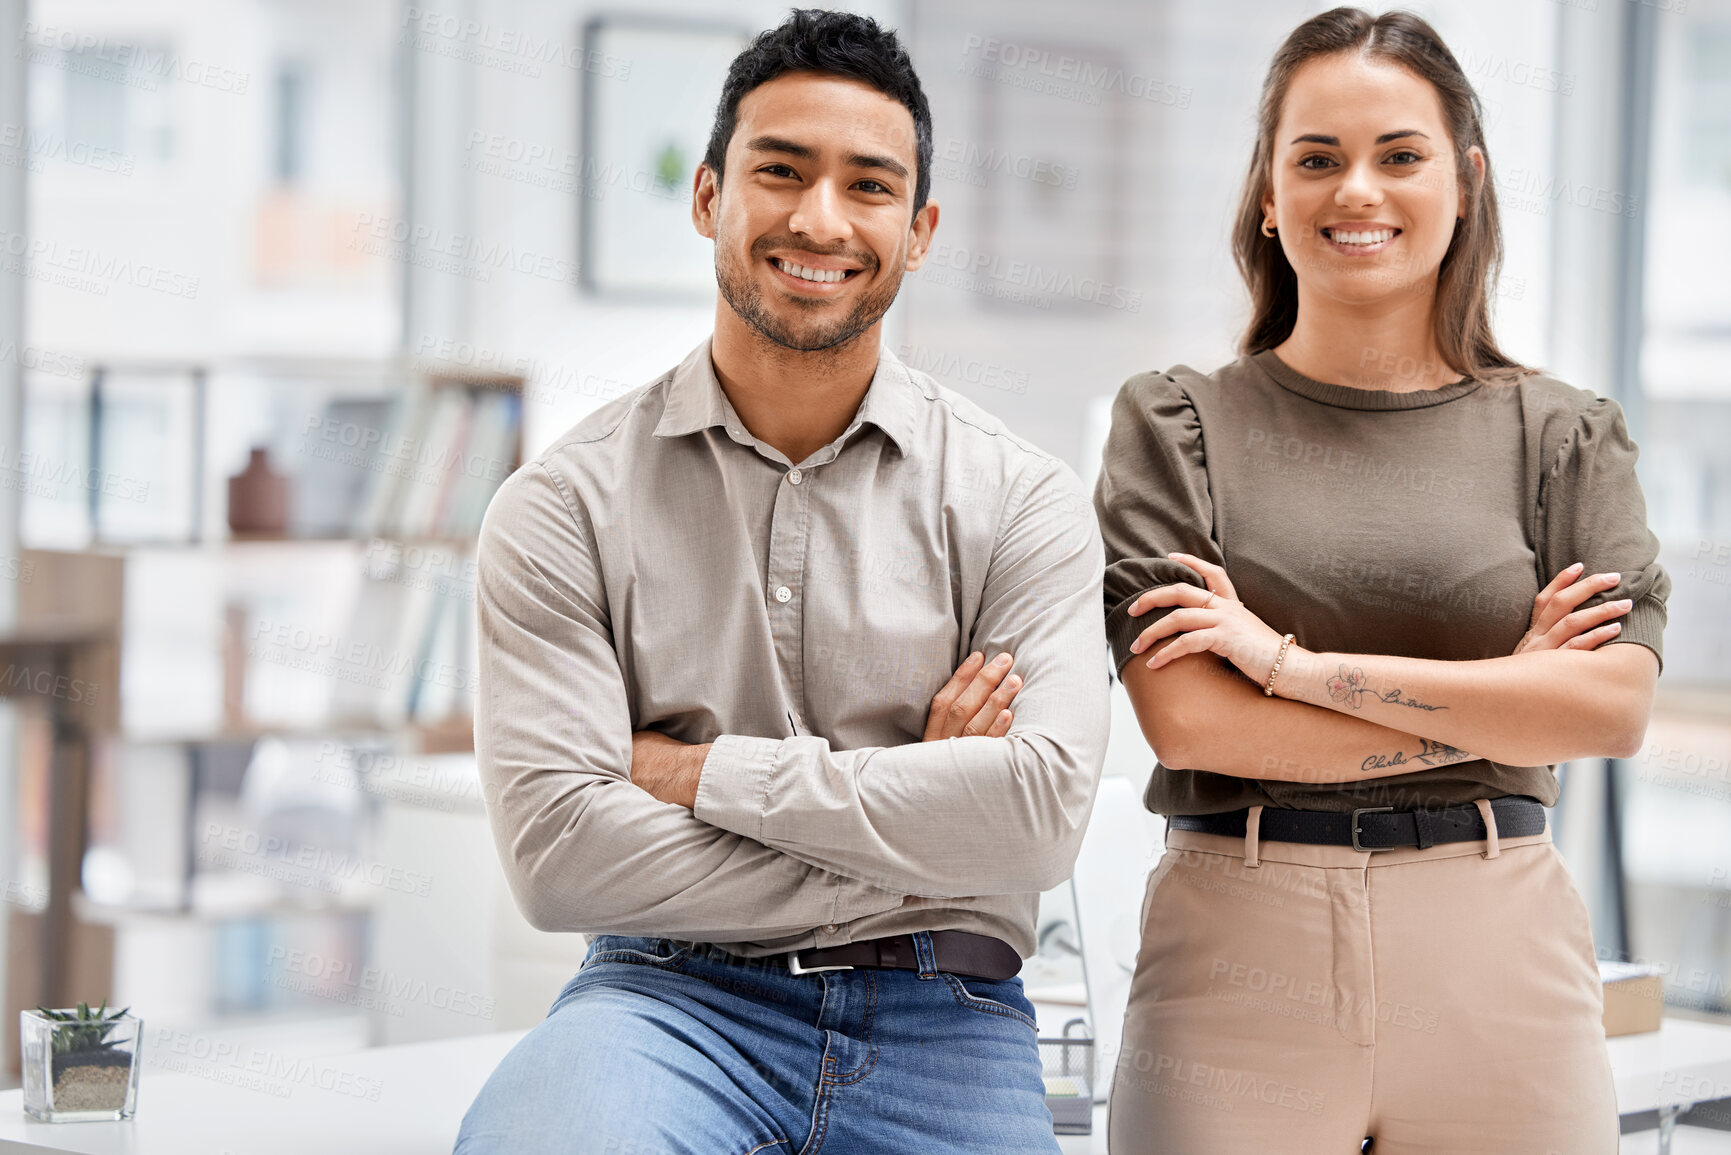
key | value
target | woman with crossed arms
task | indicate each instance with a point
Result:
(1362, 586)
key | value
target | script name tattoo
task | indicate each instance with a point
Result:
(1393, 698)
(1430, 754)
(1349, 686)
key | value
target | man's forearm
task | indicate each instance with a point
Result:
(830, 837)
(960, 817)
(605, 858)
(666, 767)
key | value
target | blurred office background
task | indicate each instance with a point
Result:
(399, 248)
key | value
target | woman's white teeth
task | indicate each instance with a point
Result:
(1373, 237)
(805, 274)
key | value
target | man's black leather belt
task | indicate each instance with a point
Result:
(957, 952)
(1375, 827)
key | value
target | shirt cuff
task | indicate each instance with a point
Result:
(1644, 625)
(733, 791)
(1122, 630)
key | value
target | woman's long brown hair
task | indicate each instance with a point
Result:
(1467, 277)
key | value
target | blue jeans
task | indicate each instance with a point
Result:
(658, 1047)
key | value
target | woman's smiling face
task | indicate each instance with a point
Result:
(1363, 187)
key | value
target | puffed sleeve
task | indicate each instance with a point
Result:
(1590, 509)
(1151, 499)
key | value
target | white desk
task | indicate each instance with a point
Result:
(422, 1092)
(409, 1100)
(1670, 1070)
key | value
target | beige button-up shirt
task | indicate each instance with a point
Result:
(658, 567)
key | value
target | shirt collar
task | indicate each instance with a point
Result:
(695, 401)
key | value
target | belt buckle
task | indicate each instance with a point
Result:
(1356, 844)
(794, 966)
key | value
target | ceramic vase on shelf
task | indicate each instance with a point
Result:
(258, 497)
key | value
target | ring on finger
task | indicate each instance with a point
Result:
(1210, 600)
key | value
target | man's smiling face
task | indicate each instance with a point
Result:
(814, 222)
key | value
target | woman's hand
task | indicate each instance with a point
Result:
(1558, 625)
(1210, 620)
(1214, 620)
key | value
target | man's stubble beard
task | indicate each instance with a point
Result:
(743, 296)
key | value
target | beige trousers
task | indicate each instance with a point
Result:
(1295, 1000)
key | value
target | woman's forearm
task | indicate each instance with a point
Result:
(1528, 709)
(1200, 714)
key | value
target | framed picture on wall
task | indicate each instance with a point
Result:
(650, 87)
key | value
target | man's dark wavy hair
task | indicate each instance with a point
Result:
(841, 43)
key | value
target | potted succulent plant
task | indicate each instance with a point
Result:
(80, 1065)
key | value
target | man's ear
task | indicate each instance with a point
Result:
(705, 191)
(920, 234)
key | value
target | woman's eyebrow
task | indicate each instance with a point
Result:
(1334, 141)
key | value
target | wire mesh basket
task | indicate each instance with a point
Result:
(1068, 1066)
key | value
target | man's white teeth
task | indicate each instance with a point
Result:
(805, 274)
(1373, 237)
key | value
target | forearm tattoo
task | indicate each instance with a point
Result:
(1430, 754)
(1350, 686)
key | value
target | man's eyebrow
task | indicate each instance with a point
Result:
(806, 152)
(1334, 141)
(778, 144)
(887, 163)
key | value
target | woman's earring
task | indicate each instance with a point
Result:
(1267, 228)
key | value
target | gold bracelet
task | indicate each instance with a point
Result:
(1268, 690)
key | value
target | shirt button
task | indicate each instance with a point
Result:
(830, 928)
(794, 477)
(782, 593)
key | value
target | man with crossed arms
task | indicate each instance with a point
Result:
(736, 718)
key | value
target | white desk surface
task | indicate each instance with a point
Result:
(423, 1091)
(1682, 1063)
(325, 1106)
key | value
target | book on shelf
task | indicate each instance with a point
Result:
(493, 440)
(410, 634)
(386, 464)
(442, 453)
(334, 479)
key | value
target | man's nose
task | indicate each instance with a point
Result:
(820, 216)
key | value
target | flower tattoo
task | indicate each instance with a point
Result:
(1347, 686)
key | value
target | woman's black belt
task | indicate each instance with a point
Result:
(1375, 827)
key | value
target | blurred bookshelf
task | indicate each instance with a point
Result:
(260, 678)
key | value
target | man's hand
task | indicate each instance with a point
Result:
(975, 700)
(666, 767)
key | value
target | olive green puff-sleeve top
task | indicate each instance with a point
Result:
(1364, 521)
